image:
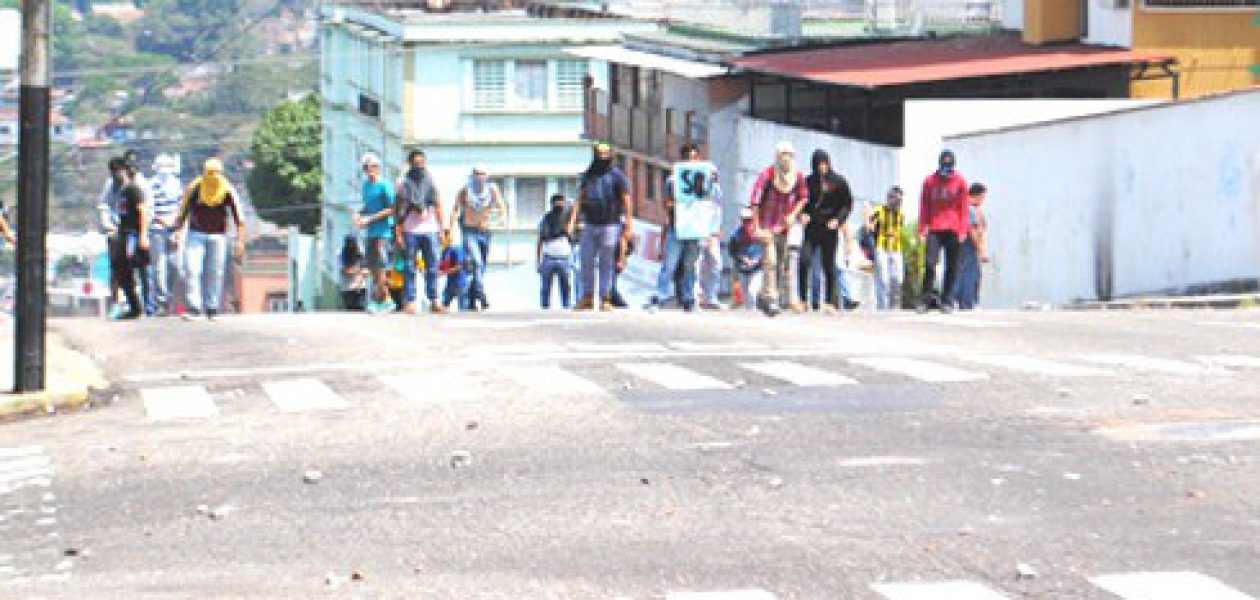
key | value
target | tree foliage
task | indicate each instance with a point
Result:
(286, 180)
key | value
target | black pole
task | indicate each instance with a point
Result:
(32, 221)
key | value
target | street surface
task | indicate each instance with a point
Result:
(1087, 455)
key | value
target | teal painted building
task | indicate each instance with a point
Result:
(493, 89)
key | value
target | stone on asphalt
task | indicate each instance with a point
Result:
(472, 426)
(1024, 571)
(1141, 399)
(461, 458)
(775, 483)
(1064, 392)
(203, 509)
(312, 476)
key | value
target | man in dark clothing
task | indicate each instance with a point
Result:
(828, 208)
(943, 209)
(132, 253)
(607, 215)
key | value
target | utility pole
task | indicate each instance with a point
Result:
(32, 221)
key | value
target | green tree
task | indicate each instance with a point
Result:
(287, 175)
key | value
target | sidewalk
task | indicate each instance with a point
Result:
(72, 378)
(1224, 301)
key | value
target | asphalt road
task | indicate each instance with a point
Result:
(634, 455)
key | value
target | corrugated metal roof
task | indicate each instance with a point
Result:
(922, 61)
(616, 54)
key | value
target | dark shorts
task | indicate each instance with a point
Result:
(378, 254)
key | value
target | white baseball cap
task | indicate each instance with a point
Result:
(784, 147)
(370, 159)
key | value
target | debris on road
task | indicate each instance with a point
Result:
(357, 576)
(312, 476)
(203, 509)
(1072, 476)
(644, 481)
(472, 426)
(753, 431)
(221, 512)
(769, 392)
(775, 483)
(1064, 392)
(1024, 571)
(1141, 399)
(461, 458)
(1196, 494)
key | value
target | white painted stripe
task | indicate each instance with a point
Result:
(716, 346)
(917, 368)
(1146, 363)
(1183, 585)
(882, 461)
(957, 321)
(7, 488)
(16, 476)
(1231, 361)
(1037, 366)
(673, 377)
(21, 452)
(178, 402)
(25, 464)
(436, 388)
(798, 374)
(550, 380)
(945, 590)
(619, 347)
(1239, 324)
(728, 595)
(1185, 431)
(303, 395)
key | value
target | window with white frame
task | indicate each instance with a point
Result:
(531, 199)
(570, 75)
(489, 84)
(529, 84)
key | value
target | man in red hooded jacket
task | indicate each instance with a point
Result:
(943, 224)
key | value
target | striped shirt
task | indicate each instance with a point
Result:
(887, 225)
(166, 193)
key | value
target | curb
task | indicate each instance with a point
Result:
(1224, 301)
(73, 381)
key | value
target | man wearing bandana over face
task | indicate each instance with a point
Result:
(608, 217)
(943, 224)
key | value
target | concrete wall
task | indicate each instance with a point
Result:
(869, 168)
(1108, 25)
(1103, 206)
(1215, 48)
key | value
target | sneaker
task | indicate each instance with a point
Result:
(585, 303)
(116, 312)
(438, 309)
(851, 304)
(129, 316)
(211, 314)
(797, 308)
(712, 306)
(411, 308)
(828, 309)
(653, 304)
(607, 305)
(689, 307)
(947, 307)
(921, 307)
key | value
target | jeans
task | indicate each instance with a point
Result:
(669, 266)
(162, 253)
(599, 251)
(689, 257)
(457, 290)
(936, 242)
(967, 286)
(710, 270)
(552, 269)
(750, 283)
(477, 246)
(890, 268)
(205, 258)
(819, 244)
(428, 246)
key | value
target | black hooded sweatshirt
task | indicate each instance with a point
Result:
(824, 206)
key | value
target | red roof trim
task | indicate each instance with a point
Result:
(903, 63)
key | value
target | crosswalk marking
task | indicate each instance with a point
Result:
(1231, 361)
(727, 595)
(302, 395)
(1147, 363)
(178, 402)
(1173, 585)
(1036, 366)
(944, 590)
(550, 380)
(673, 377)
(435, 388)
(24, 451)
(917, 368)
(23, 467)
(798, 374)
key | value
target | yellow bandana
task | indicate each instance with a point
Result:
(213, 185)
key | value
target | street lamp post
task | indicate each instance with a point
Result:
(32, 222)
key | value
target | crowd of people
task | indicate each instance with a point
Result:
(793, 249)
(163, 236)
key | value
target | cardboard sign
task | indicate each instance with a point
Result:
(696, 210)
